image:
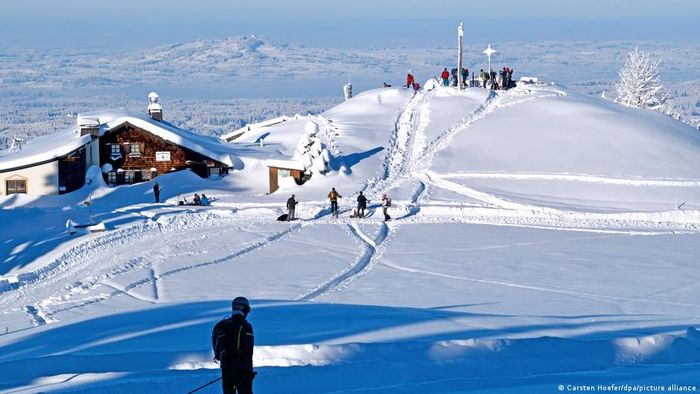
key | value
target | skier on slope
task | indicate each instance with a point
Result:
(409, 80)
(233, 342)
(333, 196)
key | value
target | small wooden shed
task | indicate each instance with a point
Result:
(279, 168)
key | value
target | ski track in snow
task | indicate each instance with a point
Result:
(494, 101)
(124, 290)
(401, 144)
(410, 155)
(435, 180)
(152, 279)
(361, 266)
(67, 266)
(536, 288)
(576, 178)
(414, 206)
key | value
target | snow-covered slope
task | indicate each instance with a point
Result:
(534, 145)
(530, 231)
(547, 130)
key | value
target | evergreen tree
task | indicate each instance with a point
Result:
(639, 85)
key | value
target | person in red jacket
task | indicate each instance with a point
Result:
(445, 77)
(409, 80)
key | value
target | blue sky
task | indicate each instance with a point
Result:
(357, 23)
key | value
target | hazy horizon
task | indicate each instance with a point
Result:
(44, 24)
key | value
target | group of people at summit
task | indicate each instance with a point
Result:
(495, 80)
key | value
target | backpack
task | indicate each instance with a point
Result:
(223, 343)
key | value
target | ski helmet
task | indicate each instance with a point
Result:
(241, 304)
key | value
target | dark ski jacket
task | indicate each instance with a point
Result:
(361, 201)
(291, 203)
(233, 341)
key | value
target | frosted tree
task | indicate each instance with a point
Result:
(311, 152)
(639, 85)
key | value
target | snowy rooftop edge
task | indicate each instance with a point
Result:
(286, 164)
(43, 149)
(54, 146)
(207, 146)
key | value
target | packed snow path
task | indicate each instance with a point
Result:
(410, 153)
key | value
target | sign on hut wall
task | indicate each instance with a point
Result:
(163, 156)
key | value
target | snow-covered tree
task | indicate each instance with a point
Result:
(639, 85)
(312, 153)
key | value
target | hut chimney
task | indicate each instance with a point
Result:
(88, 126)
(154, 107)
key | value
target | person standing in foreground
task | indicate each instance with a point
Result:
(386, 203)
(334, 196)
(156, 192)
(233, 343)
(291, 207)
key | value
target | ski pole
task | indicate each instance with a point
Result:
(201, 387)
